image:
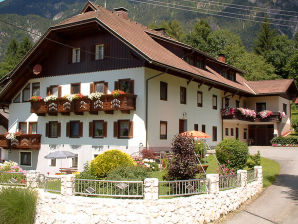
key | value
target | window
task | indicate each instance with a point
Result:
(237, 103)
(98, 129)
(26, 93)
(74, 129)
(163, 91)
(214, 102)
(126, 85)
(163, 129)
(32, 127)
(214, 133)
(232, 131)
(227, 132)
(76, 55)
(99, 52)
(17, 99)
(53, 129)
(123, 129)
(200, 99)
(204, 128)
(36, 89)
(53, 90)
(245, 133)
(53, 162)
(25, 158)
(227, 102)
(23, 127)
(75, 88)
(74, 162)
(182, 95)
(196, 127)
(182, 125)
(100, 87)
(285, 108)
(260, 107)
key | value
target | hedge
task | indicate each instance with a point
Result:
(285, 141)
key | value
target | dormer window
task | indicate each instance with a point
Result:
(99, 52)
(76, 55)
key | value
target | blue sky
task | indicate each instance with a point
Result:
(1, 0)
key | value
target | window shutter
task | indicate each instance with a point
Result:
(59, 91)
(67, 129)
(106, 50)
(47, 129)
(82, 54)
(116, 129)
(59, 129)
(48, 91)
(90, 129)
(132, 86)
(130, 134)
(106, 88)
(69, 55)
(81, 129)
(105, 129)
(116, 86)
(92, 87)
(92, 52)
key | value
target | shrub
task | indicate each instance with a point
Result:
(86, 173)
(128, 173)
(17, 205)
(224, 170)
(109, 160)
(149, 154)
(183, 166)
(254, 160)
(295, 124)
(285, 140)
(233, 153)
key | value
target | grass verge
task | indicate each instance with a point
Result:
(270, 171)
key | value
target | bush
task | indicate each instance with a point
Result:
(295, 124)
(86, 173)
(109, 160)
(128, 173)
(183, 166)
(253, 160)
(233, 153)
(17, 205)
(284, 141)
(149, 154)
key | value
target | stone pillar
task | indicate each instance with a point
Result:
(259, 174)
(32, 178)
(242, 177)
(68, 185)
(151, 189)
(212, 183)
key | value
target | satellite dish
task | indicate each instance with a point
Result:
(37, 69)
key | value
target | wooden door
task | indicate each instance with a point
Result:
(182, 125)
(261, 134)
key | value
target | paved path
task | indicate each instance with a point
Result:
(279, 202)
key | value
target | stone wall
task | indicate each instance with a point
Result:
(55, 208)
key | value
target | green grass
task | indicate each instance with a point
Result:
(17, 205)
(212, 164)
(270, 171)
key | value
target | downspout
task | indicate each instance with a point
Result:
(146, 117)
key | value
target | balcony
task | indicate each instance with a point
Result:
(22, 141)
(251, 115)
(107, 103)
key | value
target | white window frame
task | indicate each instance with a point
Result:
(99, 52)
(76, 55)
(30, 159)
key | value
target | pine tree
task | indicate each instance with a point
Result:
(24, 47)
(174, 29)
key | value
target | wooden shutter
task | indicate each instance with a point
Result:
(116, 129)
(196, 127)
(59, 91)
(67, 129)
(105, 129)
(130, 134)
(82, 54)
(92, 52)
(81, 129)
(48, 91)
(92, 87)
(69, 54)
(106, 86)
(106, 50)
(91, 129)
(58, 129)
(116, 85)
(47, 129)
(181, 126)
(131, 86)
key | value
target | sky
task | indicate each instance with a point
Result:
(1, 0)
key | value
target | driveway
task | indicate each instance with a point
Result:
(279, 202)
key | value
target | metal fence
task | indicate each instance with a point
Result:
(51, 184)
(228, 182)
(182, 187)
(251, 176)
(123, 189)
(12, 178)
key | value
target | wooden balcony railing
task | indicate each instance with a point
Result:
(23, 141)
(107, 103)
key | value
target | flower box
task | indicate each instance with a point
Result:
(82, 104)
(65, 106)
(38, 107)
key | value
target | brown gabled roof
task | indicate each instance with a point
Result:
(266, 87)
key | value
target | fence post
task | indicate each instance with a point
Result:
(68, 185)
(212, 183)
(259, 174)
(32, 177)
(151, 189)
(242, 177)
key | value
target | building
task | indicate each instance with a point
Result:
(169, 88)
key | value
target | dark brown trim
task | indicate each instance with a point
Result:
(183, 95)
(50, 129)
(30, 128)
(163, 85)
(93, 123)
(129, 129)
(72, 89)
(79, 134)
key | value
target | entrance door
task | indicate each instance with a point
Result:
(237, 133)
(261, 134)
(182, 125)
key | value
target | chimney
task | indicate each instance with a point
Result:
(122, 12)
(221, 58)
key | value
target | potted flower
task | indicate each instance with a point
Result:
(35, 99)
(282, 114)
(116, 93)
(246, 114)
(265, 114)
(38, 105)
